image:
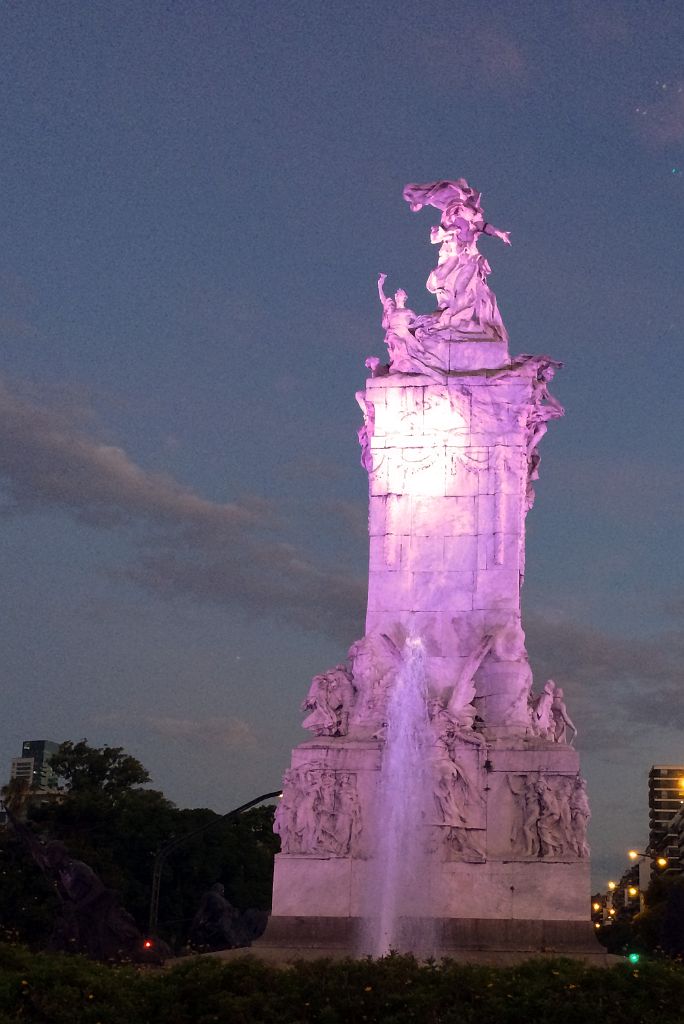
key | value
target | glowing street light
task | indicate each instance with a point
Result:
(633, 891)
(612, 911)
(661, 862)
(596, 906)
(612, 885)
(633, 854)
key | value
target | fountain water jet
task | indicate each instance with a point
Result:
(397, 897)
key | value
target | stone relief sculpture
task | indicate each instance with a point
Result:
(329, 700)
(373, 663)
(552, 839)
(551, 817)
(365, 432)
(580, 816)
(457, 783)
(466, 306)
(319, 813)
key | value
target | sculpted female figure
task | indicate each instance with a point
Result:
(466, 306)
(407, 353)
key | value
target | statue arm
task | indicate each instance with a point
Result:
(505, 236)
(381, 291)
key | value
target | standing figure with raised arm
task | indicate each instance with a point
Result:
(407, 354)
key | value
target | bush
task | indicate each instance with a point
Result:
(56, 989)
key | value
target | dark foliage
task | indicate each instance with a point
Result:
(109, 821)
(396, 990)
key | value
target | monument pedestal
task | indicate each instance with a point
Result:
(500, 887)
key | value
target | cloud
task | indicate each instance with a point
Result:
(186, 545)
(225, 731)
(47, 460)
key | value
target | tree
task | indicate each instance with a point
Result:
(109, 771)
(107, 819)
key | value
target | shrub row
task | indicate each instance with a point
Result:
(54, 989)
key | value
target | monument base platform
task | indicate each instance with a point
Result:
(466, 940)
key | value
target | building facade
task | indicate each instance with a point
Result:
(665, 801)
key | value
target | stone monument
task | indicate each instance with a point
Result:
(438, 805)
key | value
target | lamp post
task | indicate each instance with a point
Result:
(166, 848)
(646, 863)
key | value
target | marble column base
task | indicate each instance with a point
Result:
(470, 940)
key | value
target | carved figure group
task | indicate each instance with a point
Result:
(319, 813)
(552, 816)
(549, 716)
(406, 351)
(457, 782)
(329, 700)
(466, 306)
